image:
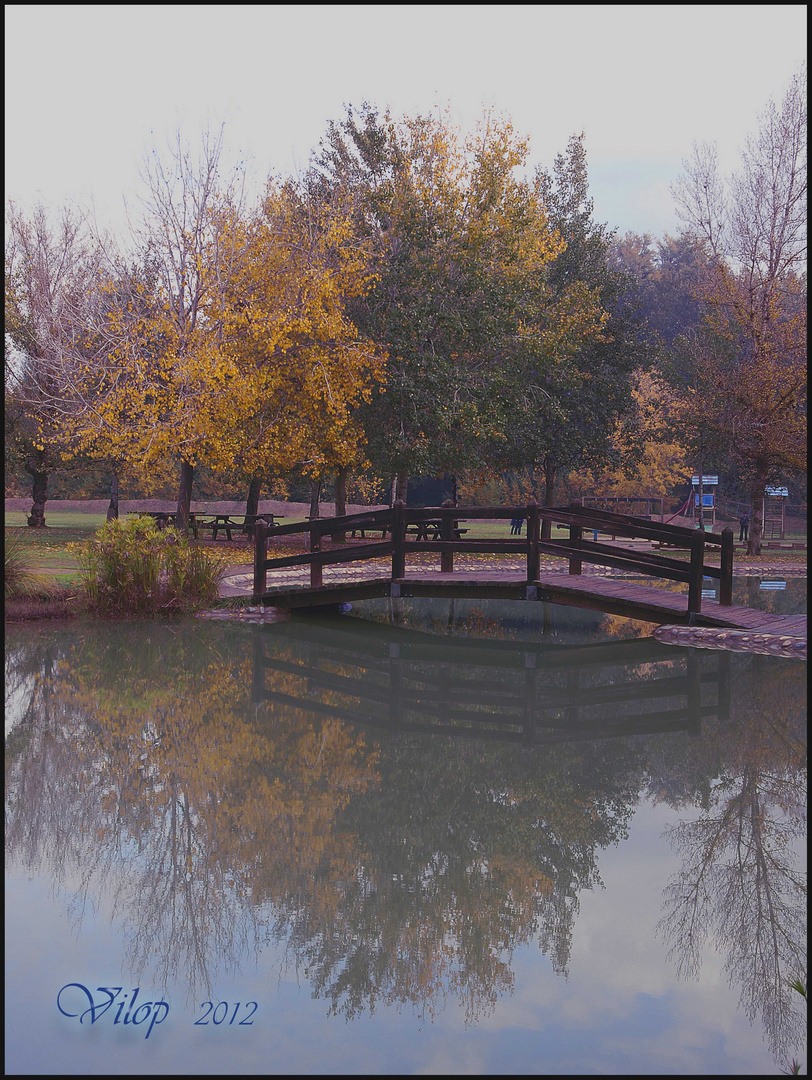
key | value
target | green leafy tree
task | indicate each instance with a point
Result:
(569, 423)
(461, 297)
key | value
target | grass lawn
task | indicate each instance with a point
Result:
(58, 519)
(54, 550)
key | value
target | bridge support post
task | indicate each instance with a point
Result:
(576, 532)
(695, 574)
(532, 542)
(315, 566)
(726, 569)
(398, 540)
(447, 534)
(260, 557)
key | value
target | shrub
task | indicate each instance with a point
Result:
(130, 566)
(22, 580)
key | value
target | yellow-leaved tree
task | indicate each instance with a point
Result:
(228, 344)
(288, 331)
(652, 426)
(157, 382)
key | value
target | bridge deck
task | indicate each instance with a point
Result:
(628, 598)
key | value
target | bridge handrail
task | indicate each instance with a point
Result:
(625, 525)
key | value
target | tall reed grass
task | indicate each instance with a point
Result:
(22, 579)
(132, 567)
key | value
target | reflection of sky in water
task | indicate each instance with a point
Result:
(620, 1007)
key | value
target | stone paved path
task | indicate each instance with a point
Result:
(239, 580)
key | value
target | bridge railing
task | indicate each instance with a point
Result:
(576, 547)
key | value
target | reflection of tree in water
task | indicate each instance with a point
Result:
(466, 853)
(111, 792)
(397, 870)
(403, 871)
(739, 885)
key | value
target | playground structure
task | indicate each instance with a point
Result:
(775, 499)
(649, 506)
(781, 521)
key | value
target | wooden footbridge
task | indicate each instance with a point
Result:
(406, 531)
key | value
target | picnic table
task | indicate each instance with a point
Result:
(245, 522)
(432, 530)
(163, 518)
(420, 530)
(199, 519)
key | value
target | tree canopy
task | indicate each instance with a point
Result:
(418, 301)
(747, 360)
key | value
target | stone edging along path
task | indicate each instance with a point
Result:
(711, 637)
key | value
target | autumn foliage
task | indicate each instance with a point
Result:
(416, 302)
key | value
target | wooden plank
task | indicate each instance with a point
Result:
(789, 625)
(326, 595)
(340, 555)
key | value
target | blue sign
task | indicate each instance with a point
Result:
(707, 500)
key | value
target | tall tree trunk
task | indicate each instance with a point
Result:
(315, 492)
(252, 502)
(401, 486)
(187, 473)
(341, 503)
(112, 509)
(39, 494)
(549, 485)
(757, 487)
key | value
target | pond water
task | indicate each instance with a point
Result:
(418, 837)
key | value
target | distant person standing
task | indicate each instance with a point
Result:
(516, 527)
(744, 525)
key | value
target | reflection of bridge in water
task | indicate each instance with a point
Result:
(407, 681)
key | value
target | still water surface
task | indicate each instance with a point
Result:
(486, 838)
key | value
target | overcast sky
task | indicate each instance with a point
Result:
(90, 88)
